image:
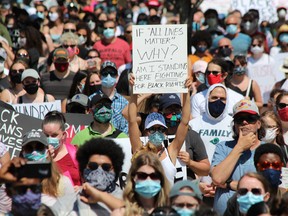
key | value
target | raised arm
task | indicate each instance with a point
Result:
(134, 132)
(182, 129)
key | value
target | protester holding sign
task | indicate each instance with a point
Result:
(146, 172)
(64, 154)
(156, 128)
(100, 108)
(34, 94)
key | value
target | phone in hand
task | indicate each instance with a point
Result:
(32, 169)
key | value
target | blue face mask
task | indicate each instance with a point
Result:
(156, 138)
(195, 26)
(201, 49)
(40, 15)
(108, 81)
(142, 22)
(26, 204)
(54, 142)
(108, 33)
(283, 38)
(147, 188)
(239, 71)
(231, 29)
(185, 211)
(273, 177)
(216, 108)
(246, 201)
(36, 156)
(103, 115)
(201, 78)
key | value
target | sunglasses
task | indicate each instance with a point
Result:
(100, 105)
(66, 46)
(20, 190)
(187, 205)
(223, 47)
(128, 32)
(105, 166)
(29, 148)
(282, 105)
(254, 45)
(22, 55)
(250, 119)
(108, 28)
(69, 30)
(112, 73)
(268, 165)
(16, 71)
(215, 73)
(244, 191)
(91, 57)
(144, 176)
(153, 130)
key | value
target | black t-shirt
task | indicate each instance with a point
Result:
(59, 88)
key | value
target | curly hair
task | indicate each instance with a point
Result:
(202, 36)
(101, 146)
(132, 203)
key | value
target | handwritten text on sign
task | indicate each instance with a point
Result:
(160, 58)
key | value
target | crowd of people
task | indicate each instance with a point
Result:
(229, 130)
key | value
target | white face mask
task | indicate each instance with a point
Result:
(82, 40)
(53, 16)
(270, 135)
(21, 41)
(1, 67)
(257, 50)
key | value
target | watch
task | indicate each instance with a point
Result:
(228, 182)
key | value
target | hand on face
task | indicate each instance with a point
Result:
(246, 139)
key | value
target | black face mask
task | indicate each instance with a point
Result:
(216, 108)
(94, 88)
(16, 78)
(224, 52)
(31, 88)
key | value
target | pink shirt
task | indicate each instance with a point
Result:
(117, 52)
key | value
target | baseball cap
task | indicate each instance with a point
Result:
(34, 136)
(60, 55)
(194, 185)
(108, 64)
(98, 97)
(245, 106)
(167, 100)
(29, 73)
(154, 119)
(79, 99)
(200, 66)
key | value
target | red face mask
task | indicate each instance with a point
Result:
(283, 114)
(213, 79)
(61, 67)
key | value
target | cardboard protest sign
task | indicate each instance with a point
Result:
(76, 122)
(160, 58)
(266, 76)
(38, 110)
(266, 8)
(13, 126)
(126, 146)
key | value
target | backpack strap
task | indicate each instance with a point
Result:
(115, 134)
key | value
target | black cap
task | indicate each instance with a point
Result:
(108, 64)
(97, 98)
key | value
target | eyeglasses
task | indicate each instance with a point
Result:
(23, 189)
(16, 71)
(22, 55)
(113, 73)
(250, 119)
(69, 30)
(244, 191)
(215, 73)
(276, 165)
(187, 205)
(152, 130)
(282, 105)
(128, 32)
(144, 176)
(105, 166)
(66, 46)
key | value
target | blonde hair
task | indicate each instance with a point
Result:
(132, 203)
(69, 37)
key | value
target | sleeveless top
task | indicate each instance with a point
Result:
(169, 168)
(238, 90)
(20, 99)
